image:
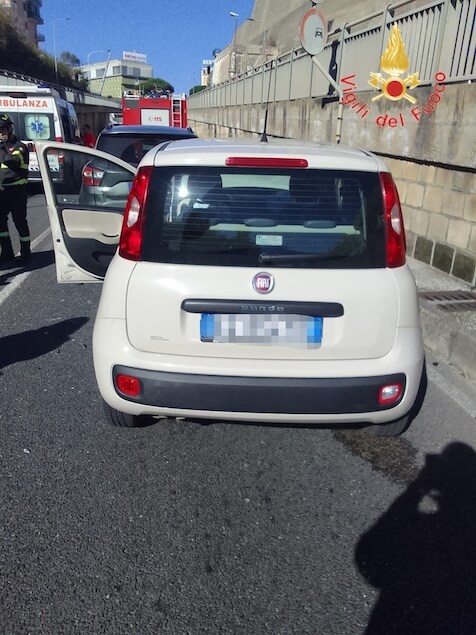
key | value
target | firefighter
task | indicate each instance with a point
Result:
(13, 191)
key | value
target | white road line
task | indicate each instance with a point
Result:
(19, 279)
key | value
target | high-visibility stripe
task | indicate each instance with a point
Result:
(4, 234)
(19, 182)
(24, 239)
(23, 164)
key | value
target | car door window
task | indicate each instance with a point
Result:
(83, 180)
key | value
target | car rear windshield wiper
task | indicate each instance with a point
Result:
(263, 258)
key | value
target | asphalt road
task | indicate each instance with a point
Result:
(182, 528)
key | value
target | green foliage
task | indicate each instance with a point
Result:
(156, 84)
(70, 59)
(19, 56)
(196, 89)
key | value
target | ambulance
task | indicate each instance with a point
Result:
(39, 113)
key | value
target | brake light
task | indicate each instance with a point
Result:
(266, 162)
(130, 242)
(59, 139)
(92, 176)
(395, 243)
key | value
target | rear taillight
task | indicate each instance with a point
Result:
(92, 176)
(130, 242)
(395, 244)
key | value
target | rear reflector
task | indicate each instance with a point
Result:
(128, 385)
(266, 162)
(389, 394)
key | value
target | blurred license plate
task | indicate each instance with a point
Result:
(260, 329)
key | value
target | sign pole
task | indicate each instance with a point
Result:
(313, 37)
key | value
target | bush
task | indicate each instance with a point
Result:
(18, 56)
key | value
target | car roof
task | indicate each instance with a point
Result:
(216, 151)
(143, 131)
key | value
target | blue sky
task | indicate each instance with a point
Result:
(175, 36)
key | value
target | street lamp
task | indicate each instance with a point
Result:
(265, 33)
(235, 16)
(231, 71)
(102, 51)
(55, 20)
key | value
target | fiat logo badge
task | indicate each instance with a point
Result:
(263, 282)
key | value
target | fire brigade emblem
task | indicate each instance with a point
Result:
(394, 62)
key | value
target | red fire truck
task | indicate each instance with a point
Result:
(167, 110)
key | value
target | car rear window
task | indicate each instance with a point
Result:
(129, 148)
(252, 217)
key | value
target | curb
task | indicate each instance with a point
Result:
(444, 336)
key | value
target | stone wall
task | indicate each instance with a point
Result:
(439, 207)
(433, 160)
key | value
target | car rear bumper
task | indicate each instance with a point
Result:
(291, 395)
(323, 392)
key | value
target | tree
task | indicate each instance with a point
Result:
(70, 59)
(19, 56)
(196, 89)
(156, 84)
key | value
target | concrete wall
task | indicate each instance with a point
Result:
(433, 159)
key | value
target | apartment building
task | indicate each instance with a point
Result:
(26, 16)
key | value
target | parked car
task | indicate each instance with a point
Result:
(106, 187)
(131, 143)
(259, 282)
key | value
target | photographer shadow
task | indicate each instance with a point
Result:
(421, 554)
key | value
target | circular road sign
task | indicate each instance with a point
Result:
(313, 31)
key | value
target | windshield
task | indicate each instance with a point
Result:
(130, 148)
(249, 217)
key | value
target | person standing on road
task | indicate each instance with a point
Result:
(14, 158)
(88, 138)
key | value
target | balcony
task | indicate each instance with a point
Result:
(33, 10)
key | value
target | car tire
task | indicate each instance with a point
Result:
(124, 420)
(399, 426)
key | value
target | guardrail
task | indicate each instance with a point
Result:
(440, 37)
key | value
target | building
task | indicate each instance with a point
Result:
(26, 16)
(115, 77)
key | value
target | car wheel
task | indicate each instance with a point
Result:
(397, 427)
(124, 420)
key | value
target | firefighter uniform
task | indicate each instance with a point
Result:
(13, 191)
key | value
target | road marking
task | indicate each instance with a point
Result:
(19, 279)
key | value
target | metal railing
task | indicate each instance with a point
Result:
(440, 37)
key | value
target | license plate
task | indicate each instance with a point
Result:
(260, 329)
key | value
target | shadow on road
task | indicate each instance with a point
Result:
(421, 554)
(39, 260)
(30, 344)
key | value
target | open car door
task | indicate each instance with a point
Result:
(86, 193)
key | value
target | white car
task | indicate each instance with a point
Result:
(253, 282)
